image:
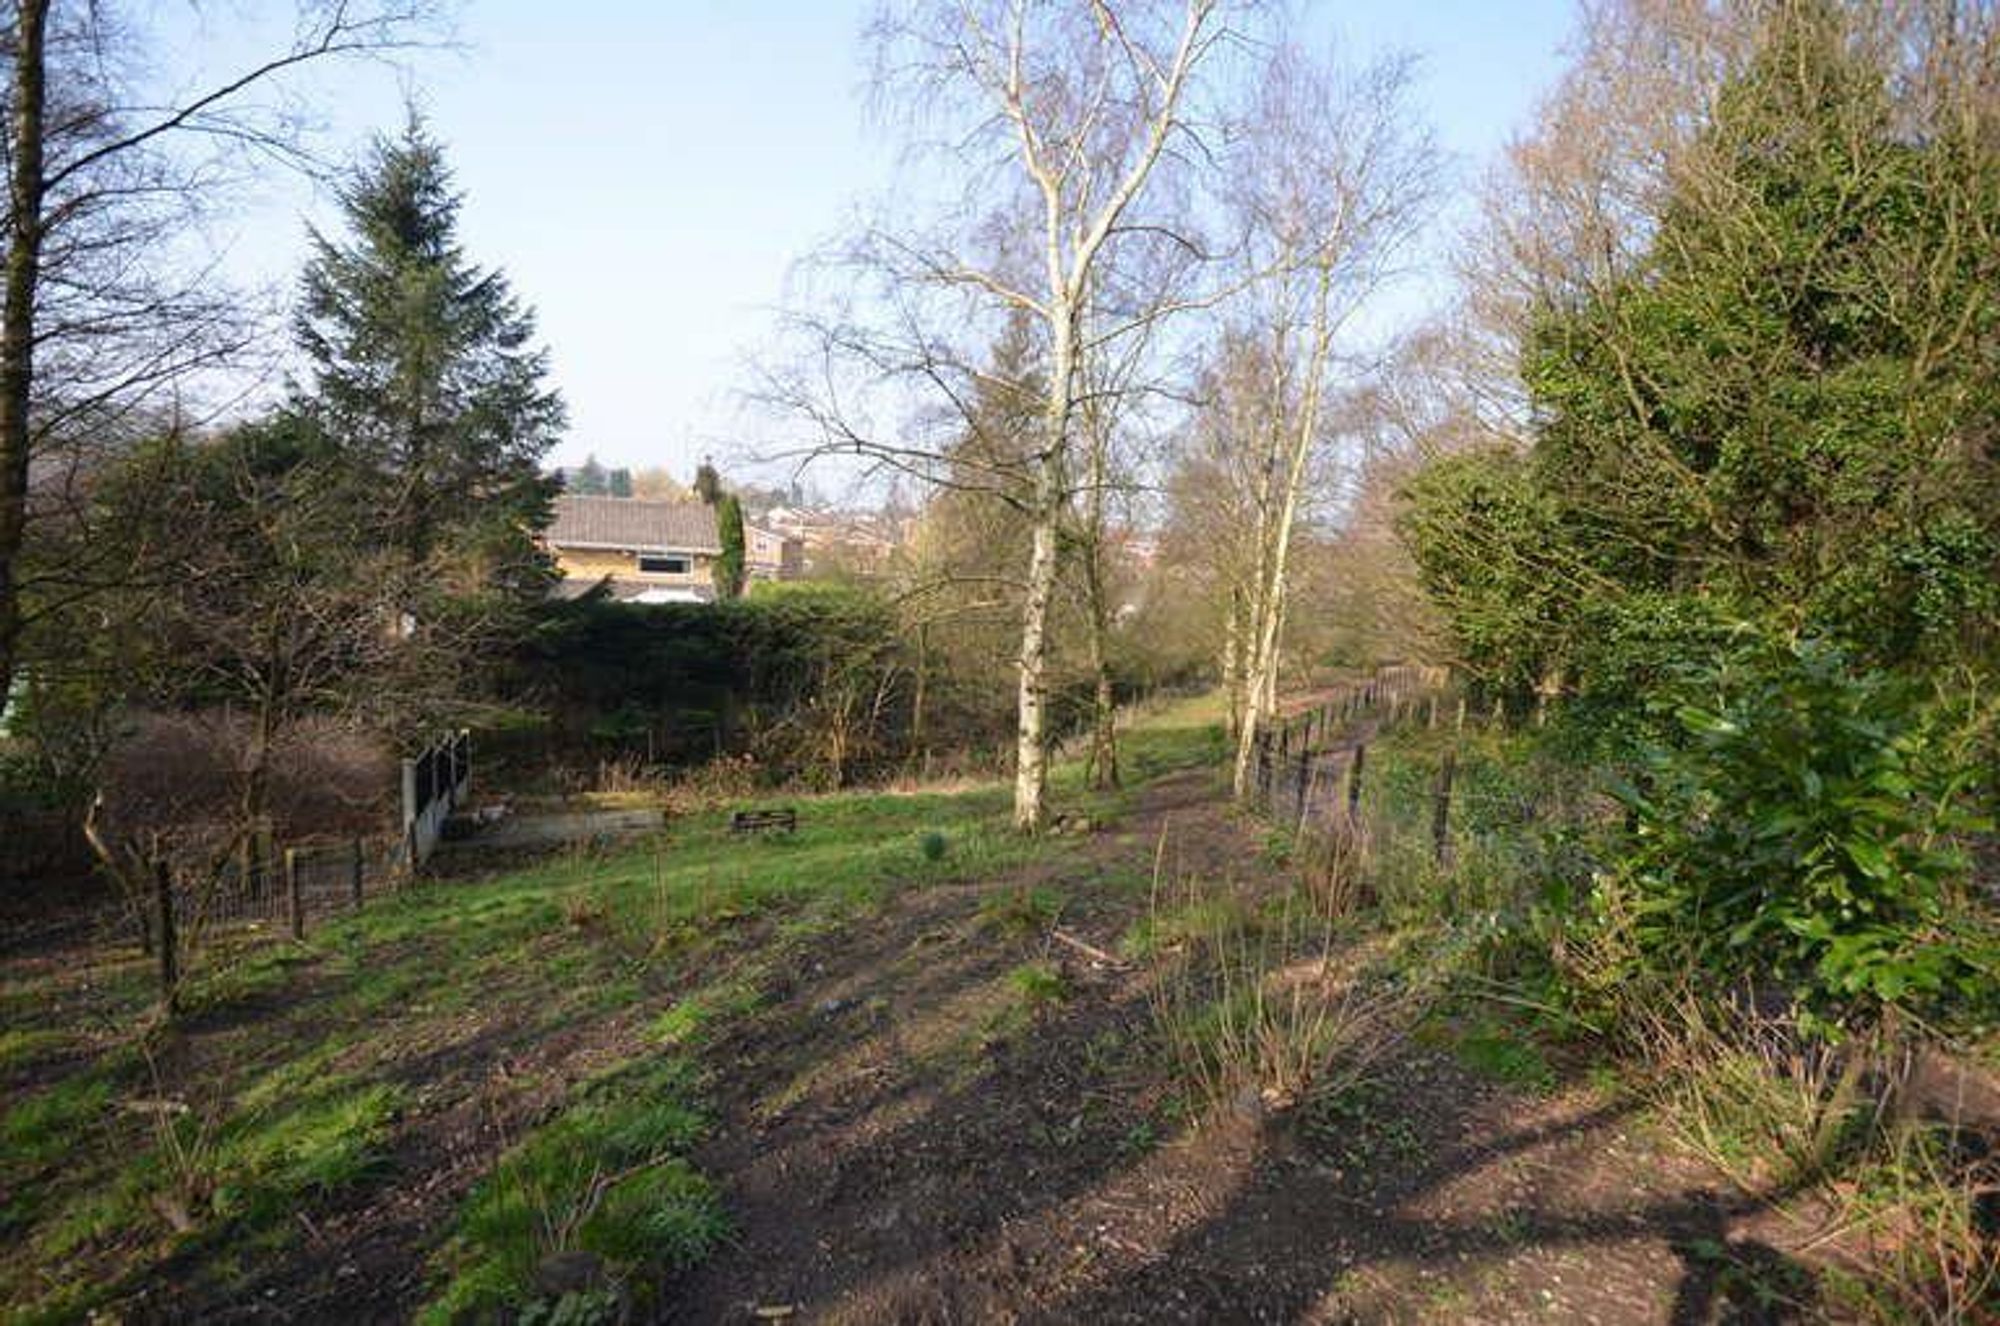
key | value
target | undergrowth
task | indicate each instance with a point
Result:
(607, 1177)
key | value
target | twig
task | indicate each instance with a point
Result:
(1089, 950)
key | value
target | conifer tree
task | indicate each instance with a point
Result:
(425, 375)
(588, 479)
(730, 568)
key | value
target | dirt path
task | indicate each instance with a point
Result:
(899, 1142)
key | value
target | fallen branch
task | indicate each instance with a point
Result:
(1090, 950)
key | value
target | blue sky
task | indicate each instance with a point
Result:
(647, 172)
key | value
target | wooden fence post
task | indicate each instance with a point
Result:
(354, 874)
(1441, 811)
(1354, 768)
(163, 906)
(295, 903)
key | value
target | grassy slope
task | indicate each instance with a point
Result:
(306, 1082)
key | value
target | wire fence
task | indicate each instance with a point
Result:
(1395, 784)
(185, 898)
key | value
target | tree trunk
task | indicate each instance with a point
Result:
(923, 670)
(1103, 764)
(1031, 772)
(1275, 534)
(1031, 755)
(1232, 663)
(17, 318)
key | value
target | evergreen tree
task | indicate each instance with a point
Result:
(1782, 413)
(729, 567)
(588, 479)
(708, 484)
(618, 483)
(425, 375)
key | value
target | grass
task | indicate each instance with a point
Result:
(608, 1177)
(1505, 1052)
(1021, 911)
(24, 1048)
(1274, 1002)
(39, 1130)
(596, 977)
(262, 1164)
(693, 1021)
(1038, 985)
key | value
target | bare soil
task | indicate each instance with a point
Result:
(885, 1164)
(902, 1136)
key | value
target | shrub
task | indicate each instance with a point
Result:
(1807, 826)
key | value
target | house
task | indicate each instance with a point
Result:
(856, 541)
(646, 552)
(770, 555)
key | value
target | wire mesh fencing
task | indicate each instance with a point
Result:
(1400, 791)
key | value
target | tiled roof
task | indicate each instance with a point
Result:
(628, 523)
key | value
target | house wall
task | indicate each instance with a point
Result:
(596, 563)
(772, 556)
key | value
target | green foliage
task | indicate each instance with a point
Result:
(729, 566)
(1038, 985)
(588, 479)
(1487, 542)
(812, 679)
(261, 1166)
(933, 845)
(1774, 413)
(1806, 824)
(591, 479)
(1508, 1053)
(608, 1176)
(707, 484)
(1022, 911)
(424, 375)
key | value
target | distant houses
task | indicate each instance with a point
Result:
(855, 542)
(654, 552)
(770, 555)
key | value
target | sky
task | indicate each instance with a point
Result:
(647, 172)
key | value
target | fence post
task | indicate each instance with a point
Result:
(354, 874)
(1459, 724)
(163, 905)
(295, 903)
(1431, 716)
(1354, 768)
(1441, 811)
(246, 870)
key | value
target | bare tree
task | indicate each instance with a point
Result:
(99, 314)
(1074, 118)
(1331, 180)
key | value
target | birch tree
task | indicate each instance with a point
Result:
(1332, 179)
(1070, 120)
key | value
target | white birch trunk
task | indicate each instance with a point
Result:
(1262, 682)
